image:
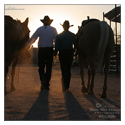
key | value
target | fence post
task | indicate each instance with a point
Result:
(103, 17)
(116, 43)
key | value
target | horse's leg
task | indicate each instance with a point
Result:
(6, 71)
(81, 60)
(13, 72)
(92, 70)
(106, 67)
(89, 76)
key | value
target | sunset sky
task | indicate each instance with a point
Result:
(75, 13)
(59, 13)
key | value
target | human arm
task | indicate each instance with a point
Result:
(74, 44)
(56, 45)
(32, 39)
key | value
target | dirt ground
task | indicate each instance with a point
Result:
(28, 103)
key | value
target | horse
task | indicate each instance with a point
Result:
(16, 36)
(95, 41)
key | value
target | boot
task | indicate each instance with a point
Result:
(43, 84)
(42, 87)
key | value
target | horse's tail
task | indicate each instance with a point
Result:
(104, 35)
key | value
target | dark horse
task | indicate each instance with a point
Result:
(95, 40)
(16, 36)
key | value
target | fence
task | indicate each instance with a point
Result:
(115, 60)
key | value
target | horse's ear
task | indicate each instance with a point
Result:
(26, 22)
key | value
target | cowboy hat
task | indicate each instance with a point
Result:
(66, 24)
(46, 20)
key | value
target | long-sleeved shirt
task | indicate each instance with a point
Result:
(46, 36)
(64, 40)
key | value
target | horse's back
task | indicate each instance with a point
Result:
(91, 31)
(96, 40)
(90, 36)
(85, 22)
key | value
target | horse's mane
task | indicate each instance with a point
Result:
(9, 19)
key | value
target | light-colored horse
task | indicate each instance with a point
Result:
(95, 39)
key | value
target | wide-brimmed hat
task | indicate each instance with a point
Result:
(66, 24)
(46, 20)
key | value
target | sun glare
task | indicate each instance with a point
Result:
(57, 20)
(59, 13)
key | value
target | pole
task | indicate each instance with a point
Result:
(116, 43)
(103, 17)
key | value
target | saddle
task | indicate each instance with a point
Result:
(84, 22)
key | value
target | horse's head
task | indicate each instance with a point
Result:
(24, 37)
(23, 34)
(80, 28)
(24, 30)
(80, 31)
(16, 35)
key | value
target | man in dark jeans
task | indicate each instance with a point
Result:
(46, 34)
(45, 59)
(64, 44)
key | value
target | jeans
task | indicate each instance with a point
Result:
(66, 58)
(45, 59)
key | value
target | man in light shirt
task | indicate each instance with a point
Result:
(47, 35)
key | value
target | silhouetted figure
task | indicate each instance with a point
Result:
(95, 40)
(64, 44)
(46, 34)
(16, 36)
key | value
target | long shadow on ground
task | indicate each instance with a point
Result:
(76, 112)
(108, 110)
(40, 109)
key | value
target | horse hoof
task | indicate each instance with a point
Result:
(12, 88)
(84, 89)
(90, 92)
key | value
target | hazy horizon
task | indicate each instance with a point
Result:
(59, 13)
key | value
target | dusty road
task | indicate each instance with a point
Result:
(28, 103)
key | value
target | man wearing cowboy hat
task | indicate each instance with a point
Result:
(46, 34)
(64, 44)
